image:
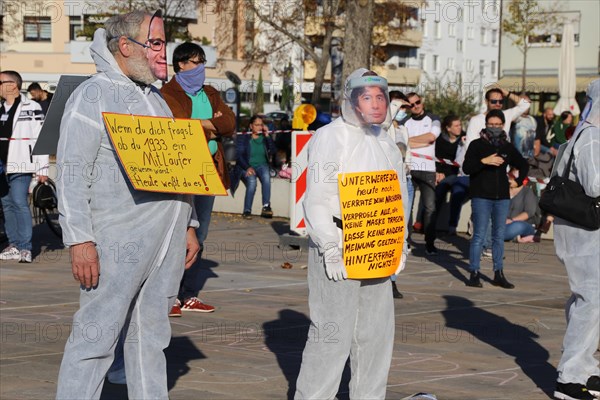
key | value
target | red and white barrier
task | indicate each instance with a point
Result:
(299, 165)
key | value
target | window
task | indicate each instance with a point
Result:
(37, 29)
(493, 68)
(438, 30)
(450, 65)
(459, 45)
(436, 63)
(422, 62)
(470, 32)
(552, 36)
(483, 36)
(75, 25)
(452, 30)
(1, 28)
(481, 67)
(469, 65)
(494, 37)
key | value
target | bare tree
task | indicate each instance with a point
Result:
(524, 20)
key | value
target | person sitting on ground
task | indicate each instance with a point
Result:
(559, 129)
(522, 213)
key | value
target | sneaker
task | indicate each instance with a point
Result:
(266, 212)
(486, 253)
(194, 304)
(593, 385)
(176, 309)
(431, 250)
(10, 253)
(25, 256)
(247, 215)
(117, 377)
(572, 391)
(418, 227)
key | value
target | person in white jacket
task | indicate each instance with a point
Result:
(20, 123)
(349, 317)
(128, 247)
(577, 248)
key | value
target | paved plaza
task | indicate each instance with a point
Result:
(453, 341)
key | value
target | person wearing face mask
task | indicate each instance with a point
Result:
(486, 161)
(188, 97)
(359, 312)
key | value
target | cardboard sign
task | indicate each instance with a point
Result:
(373, 223)
(161, 154)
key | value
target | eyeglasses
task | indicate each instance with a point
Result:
(496, 101)
(416, 103)
(3, 82)
(155, 44)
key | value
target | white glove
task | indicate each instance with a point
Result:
(334, 264)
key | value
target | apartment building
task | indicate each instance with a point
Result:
(461, 41)
(544, 52)
(43, 40)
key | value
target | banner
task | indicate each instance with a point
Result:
(373, 223)
(161, 154)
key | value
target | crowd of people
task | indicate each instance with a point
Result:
(378, 131)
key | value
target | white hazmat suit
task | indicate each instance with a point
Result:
(140, 238)
(348, 317)
(579, 250)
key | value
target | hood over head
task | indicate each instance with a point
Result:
(103, 58)
(591, 112)
(366, 101)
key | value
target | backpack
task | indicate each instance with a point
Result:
(44, 195)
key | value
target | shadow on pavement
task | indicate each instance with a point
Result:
(512, 339)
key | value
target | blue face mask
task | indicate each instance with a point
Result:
(400, 115)
(191, 81)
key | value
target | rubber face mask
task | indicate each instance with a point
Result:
(365, 100)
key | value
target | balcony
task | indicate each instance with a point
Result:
(310, 70)
(397, 76)
(315, 26)
(389, 36)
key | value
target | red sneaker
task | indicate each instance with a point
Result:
(176, 309)
(194, 304)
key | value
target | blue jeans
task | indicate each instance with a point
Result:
(264, 175)
(483, 209)
(458, 186)
(518, 228)
(17, 215)
(425, 180)
(411, 198)
(190, 284)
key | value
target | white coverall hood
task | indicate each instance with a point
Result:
(591, 112)
(363, 114)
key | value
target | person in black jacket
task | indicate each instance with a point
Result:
(486, 161)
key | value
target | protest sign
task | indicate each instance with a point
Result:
(373, 223)
(161, 154)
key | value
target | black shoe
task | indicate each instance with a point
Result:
(266, 212)
(431, 250)
(593, 385)
(500, 280)
(572, 391)
(474, 280)
(395, 292)
(247, 215)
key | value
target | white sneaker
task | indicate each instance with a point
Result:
(117, 377)
(25, 256)
(10, 253)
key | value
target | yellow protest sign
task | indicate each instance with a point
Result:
(373, 223)
(161, 154)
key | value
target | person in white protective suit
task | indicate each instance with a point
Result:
(348, 317)
(578, 249)
(128, 248)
